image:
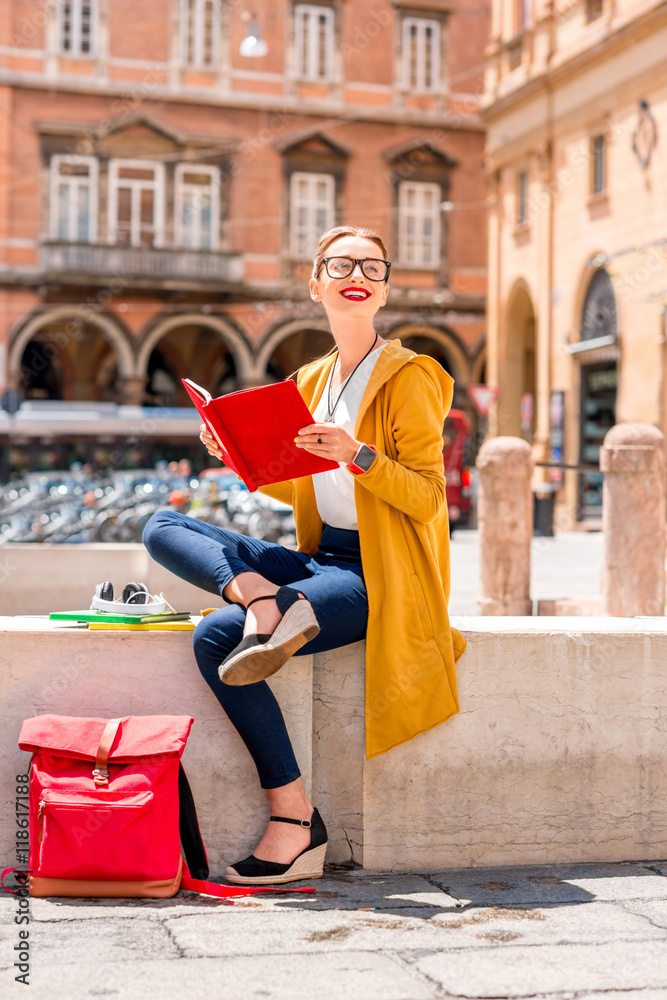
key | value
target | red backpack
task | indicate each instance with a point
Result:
(110, 806)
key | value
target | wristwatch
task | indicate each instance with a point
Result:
(363, 460)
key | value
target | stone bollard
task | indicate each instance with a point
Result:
(505, 520)
(633, 520)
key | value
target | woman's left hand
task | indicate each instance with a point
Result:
(337, 445)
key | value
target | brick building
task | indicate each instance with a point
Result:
(161, 195)
(576, 113)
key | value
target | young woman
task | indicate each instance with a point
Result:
(372, 559)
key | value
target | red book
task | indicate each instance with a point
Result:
(255, 429)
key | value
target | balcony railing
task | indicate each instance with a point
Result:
(136, 262)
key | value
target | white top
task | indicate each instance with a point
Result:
(334, 490)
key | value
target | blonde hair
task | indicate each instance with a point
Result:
(337, 233)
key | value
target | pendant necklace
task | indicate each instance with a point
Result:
(330, 412)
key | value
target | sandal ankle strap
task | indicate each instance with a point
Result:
(306, 823)
(267, 597)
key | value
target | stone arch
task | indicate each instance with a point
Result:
(231, 338)
(451, 347)
(519, 362)
(23, 332)
(280, 334)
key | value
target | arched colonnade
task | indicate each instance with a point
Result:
(74, 353)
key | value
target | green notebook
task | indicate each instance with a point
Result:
(119, 619)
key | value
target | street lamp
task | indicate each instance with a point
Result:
(253, 45)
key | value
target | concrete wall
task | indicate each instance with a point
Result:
(557, 754)
(37, 579)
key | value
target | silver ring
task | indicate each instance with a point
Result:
(319, 440)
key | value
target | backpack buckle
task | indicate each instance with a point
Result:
(101, 775)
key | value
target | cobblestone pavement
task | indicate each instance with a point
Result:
(560, 931)
(568, 565)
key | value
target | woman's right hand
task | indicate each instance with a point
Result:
(209, 442)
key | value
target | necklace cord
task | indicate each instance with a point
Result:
(330, 413)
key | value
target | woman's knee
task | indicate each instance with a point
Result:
(155, 527)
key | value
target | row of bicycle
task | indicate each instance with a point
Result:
(78, 506)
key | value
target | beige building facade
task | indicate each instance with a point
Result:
(576, 111)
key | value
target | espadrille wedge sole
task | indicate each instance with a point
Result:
(250, 665)
(308, 865)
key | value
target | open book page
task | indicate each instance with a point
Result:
(203, 393)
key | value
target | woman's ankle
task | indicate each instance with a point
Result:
(290, 800)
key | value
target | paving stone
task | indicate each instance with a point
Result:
(264, 933)
(344, 891)
(75, 941)
(520, 971)
(549, 884)
(654, 910)
(373, 890)
(615, 995)
(349, 976)
(7, 908)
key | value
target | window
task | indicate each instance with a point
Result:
(74, 198)
(419, 224)
(599, 164)
(312, 211)
(522, 198)
(136, 200)
(313, 41)
(593, 9)
(421, 54)
(522, 14)
(200, 32)
(197, 207)
(75, 26)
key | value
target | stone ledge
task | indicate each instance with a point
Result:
(557, 754)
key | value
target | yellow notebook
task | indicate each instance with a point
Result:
(148, 627)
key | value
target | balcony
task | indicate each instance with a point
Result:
(86, 260)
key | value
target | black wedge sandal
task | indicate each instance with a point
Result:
(308, 864)
(259, 656)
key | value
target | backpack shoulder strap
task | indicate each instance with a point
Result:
(191, 839)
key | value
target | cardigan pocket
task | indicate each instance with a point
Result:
(420, 602)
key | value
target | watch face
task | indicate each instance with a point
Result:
(365, 458)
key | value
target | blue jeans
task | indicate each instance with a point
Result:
(209, 557)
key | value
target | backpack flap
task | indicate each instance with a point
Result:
(139, 736)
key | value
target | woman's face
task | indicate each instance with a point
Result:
(355, 295)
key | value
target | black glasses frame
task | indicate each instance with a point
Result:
(354, 261)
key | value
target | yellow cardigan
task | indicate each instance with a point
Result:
(411, 649)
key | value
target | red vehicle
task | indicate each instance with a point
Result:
(456, 457)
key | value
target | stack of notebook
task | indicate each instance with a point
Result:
(178, 621)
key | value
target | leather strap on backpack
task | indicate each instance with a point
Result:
(101, 771)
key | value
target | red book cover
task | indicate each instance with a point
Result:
(255, 429)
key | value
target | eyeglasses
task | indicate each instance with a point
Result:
(371, 268)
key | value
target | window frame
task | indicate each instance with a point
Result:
(91, 182)
(294, 230)
(522, 188)
(437, 251)
(594, 9)
(76, 7)
(598, 164)
(179, 188)
(199, 34)
(420, 86)
(305, 15)
(158, 201)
